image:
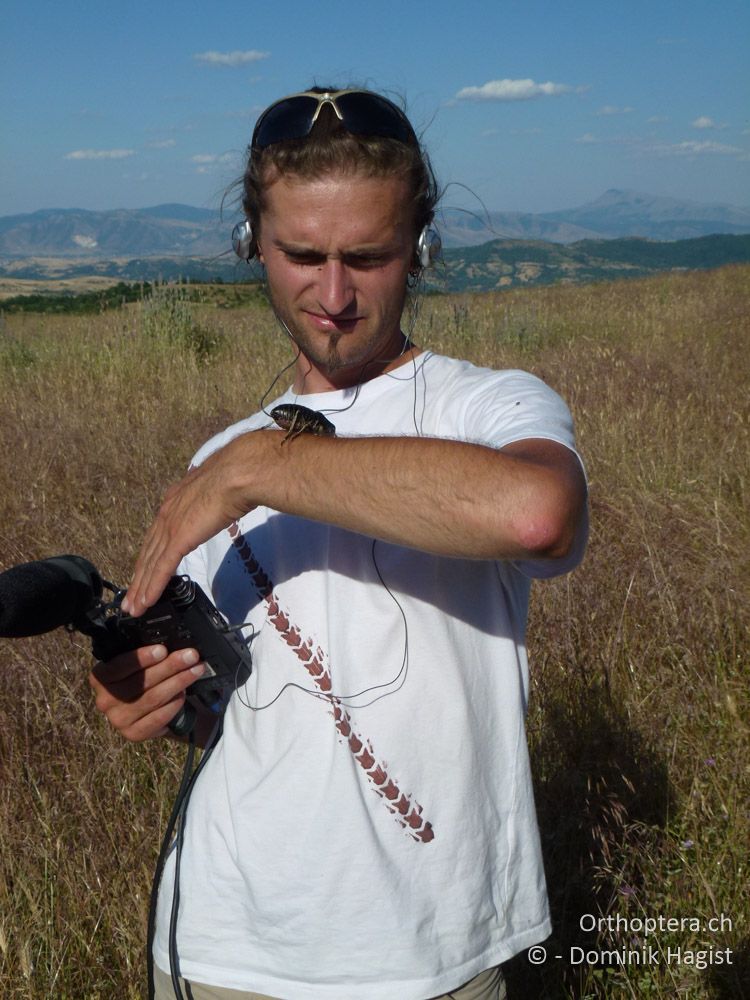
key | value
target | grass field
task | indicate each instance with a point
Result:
(10, 287)
(638, 721)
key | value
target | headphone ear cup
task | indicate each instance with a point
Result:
(243, 241)
(429, 247)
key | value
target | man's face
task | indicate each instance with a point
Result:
(337, 252)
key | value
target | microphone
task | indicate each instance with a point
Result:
(37, 597)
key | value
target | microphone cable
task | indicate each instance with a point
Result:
(174, 836)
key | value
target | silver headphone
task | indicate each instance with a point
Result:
(242, 240)
(428, 250)
(429, 247)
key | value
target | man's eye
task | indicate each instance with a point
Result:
(365, 262)
(306, 259)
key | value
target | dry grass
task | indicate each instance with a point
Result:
(638, 720)
(10, 287)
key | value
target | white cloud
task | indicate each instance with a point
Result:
(703, 121)
(610, 109)
(489, 132)
(208, 162)
(692, 147)
(236, 58)
(654, 147)
(512, 90)
(212, 158)
(689, 147)
(657, 119)
(99, 154)
(162, 144)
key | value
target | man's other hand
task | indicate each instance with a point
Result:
(140, 692)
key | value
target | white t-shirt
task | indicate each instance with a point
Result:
(372, 837)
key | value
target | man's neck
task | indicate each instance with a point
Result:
(310, 379)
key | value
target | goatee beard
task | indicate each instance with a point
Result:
(334, 361)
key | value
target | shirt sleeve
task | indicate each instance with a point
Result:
(500, 408)
(503, 407)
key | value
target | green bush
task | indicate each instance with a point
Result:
(168, 318)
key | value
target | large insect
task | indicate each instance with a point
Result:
(296, 419)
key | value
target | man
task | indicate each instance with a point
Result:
(364, 829)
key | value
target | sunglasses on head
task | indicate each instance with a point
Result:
(359, 111)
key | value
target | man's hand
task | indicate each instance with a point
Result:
(205, 502)
(140, 692)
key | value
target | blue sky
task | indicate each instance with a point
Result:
(533, 106)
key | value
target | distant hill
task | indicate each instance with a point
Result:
(468, 229)
(181, 230)
(490, 266)
(72, 232)
(630, 213)
(510, 263)
(615, 214)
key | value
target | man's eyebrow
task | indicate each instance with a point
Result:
(365, 250)
(294, 247)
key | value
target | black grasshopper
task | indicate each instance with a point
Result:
(296, 419)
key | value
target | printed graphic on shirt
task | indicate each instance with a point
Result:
(402, 805)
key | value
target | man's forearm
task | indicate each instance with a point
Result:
(446, 497)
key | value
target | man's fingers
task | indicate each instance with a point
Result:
(156, 723)
(160, 554)
(120, 667)
(140, 692)
(142, 665)
(124, 681)
(134, 602)
(204, 502)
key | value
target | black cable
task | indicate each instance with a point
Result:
(166, 843)
(176, 820)
(341, 699)
(182, 798)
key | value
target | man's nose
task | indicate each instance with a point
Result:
(335, 288)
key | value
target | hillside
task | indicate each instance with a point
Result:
(495, 265)
(182, 230)
(77, 233)
(509, 263)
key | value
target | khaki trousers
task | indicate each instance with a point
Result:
(488, 985)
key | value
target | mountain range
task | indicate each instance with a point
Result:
(614, 215)
(183, 231)
(178, 230)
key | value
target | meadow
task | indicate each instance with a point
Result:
(638, 718)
